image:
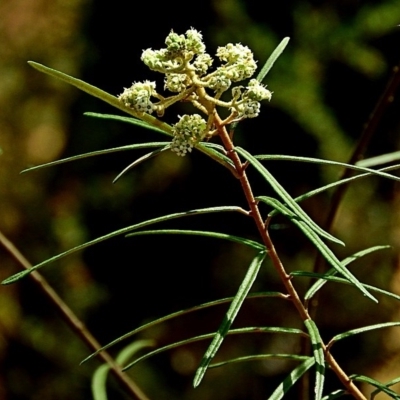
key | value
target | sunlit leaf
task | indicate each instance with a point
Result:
(335, 395)
(272, 58)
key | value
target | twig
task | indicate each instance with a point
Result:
(73, 321)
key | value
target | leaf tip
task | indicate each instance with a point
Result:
(16, 277)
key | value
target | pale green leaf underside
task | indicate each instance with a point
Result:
(238, 331)
(272, 58)
(216, 235)
(123, 231)
(280, 392)
(183, 312)
(230, 316)
(379, 160)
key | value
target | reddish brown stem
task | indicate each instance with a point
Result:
(284, 276)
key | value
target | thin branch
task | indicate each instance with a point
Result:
(284, 276)
(73, 321)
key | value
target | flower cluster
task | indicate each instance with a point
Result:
(185, 65)
(189, 131)
(138, 96)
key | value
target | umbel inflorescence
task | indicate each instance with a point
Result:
(185, 65)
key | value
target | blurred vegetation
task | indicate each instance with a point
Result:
(325, 85)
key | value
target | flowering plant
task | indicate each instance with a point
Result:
(186, 65)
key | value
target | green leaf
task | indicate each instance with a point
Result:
(373, 382)
(272, 58)
(336, 279)
(229, 317)
(285, 196)
(388, 384)
(363, 329)
(140, 160)
(239, 331)
(101, 94)
(326, 162)
(217, 235)
(321, 282)
(98, 153)
(331, 258)
(99, 383)
(335, 395)
(133, 121)
(340, 182)
(259, 357)
(379, 160)
(280, 392)
(318, 243)
(99, 379)
(318, 353)
(180, 313)
(123, 231)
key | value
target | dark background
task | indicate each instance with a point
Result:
(325, 85)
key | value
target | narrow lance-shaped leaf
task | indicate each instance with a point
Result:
(259, 357)
(272, 58)
(99, 379)
(318, 352)
(332, 278)
(98, 153)
(140, 160)
(379, 385)
(101, 94)
(285, 196)
(387, 385)
(280, 392)
(321, 282)
(129, 120)
(363, 329)
(229, 317)
(216, 235)
(239, 331)
(326, 162)
(335, 395)
(180, 313)
(122, 231)
(319, 244)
